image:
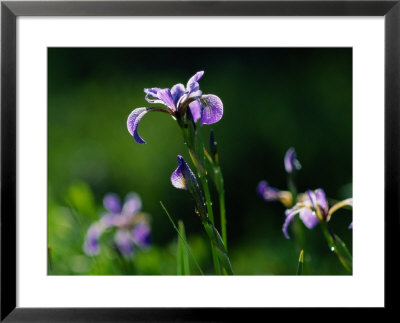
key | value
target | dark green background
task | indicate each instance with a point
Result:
(273, 99)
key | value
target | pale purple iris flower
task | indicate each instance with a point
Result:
(291, 162)
(312, 207)
(131, 226)
(269, 194)
(179, 101)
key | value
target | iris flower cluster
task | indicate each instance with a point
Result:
(131, 227)
(311, 206)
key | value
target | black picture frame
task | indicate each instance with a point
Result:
(11, 10)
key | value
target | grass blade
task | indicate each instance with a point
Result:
(301, 263)
(183, 257)
(182, 238)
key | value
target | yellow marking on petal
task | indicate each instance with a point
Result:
(339, 205)
(285, 198)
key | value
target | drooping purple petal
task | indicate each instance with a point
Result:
(166, 96)
(212, 109)
(351, 225)
(123, 240)
(309, 218)
(112, 203)
(132, 204)
(91, 245)
(133, 123)
(194, 79)
(290, 214)
(141, 235)
(195, 109)
(177, 91)
(267, 192)
(321, 201)
(290, 161)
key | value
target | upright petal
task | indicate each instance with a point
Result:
(321, 201)
(166, 97)
(141, 235)
(132, 204)
(133, 123)
(212, 109)
(123, 240)
(309, 218)
(177, 91)
(290, 161)
(194, 79)
(112, 203)
(290, 214)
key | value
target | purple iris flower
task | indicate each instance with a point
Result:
(179, 101)
(291, 162)
(131, 226)
(312, 208)
(269, 194)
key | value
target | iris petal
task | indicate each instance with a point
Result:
(141, 235)
(194, 79)
(180, 175)
(290, 161)
(321, 201)
(309, 218)
(112, 203)
(133, 123)
(289, 217)
(123, 240)
(132, 204)
(177, 91)
(212, 109)
(166, 97)
(195, 109)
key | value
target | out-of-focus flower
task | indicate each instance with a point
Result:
(269, 193)
(179, 101)
(130, 225)
(291, 162)
(312, 208)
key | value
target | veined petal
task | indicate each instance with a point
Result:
(112, 203)
(309, 218)
(290, 214)
(132, 204)
(290, 161)
(194, 79)
(123, 240)
(166, 97)
(212, 109)
(177, 91)
(133, 123)
(195, 109)
(182, 174)
(141, 235)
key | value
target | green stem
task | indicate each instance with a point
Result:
(223, 217)
(333, 247)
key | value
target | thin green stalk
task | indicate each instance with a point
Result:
(223, 218)
(182, 255)
(184, 241)
(301, 263)
(333, 247)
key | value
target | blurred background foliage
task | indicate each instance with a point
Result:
(274, 98)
